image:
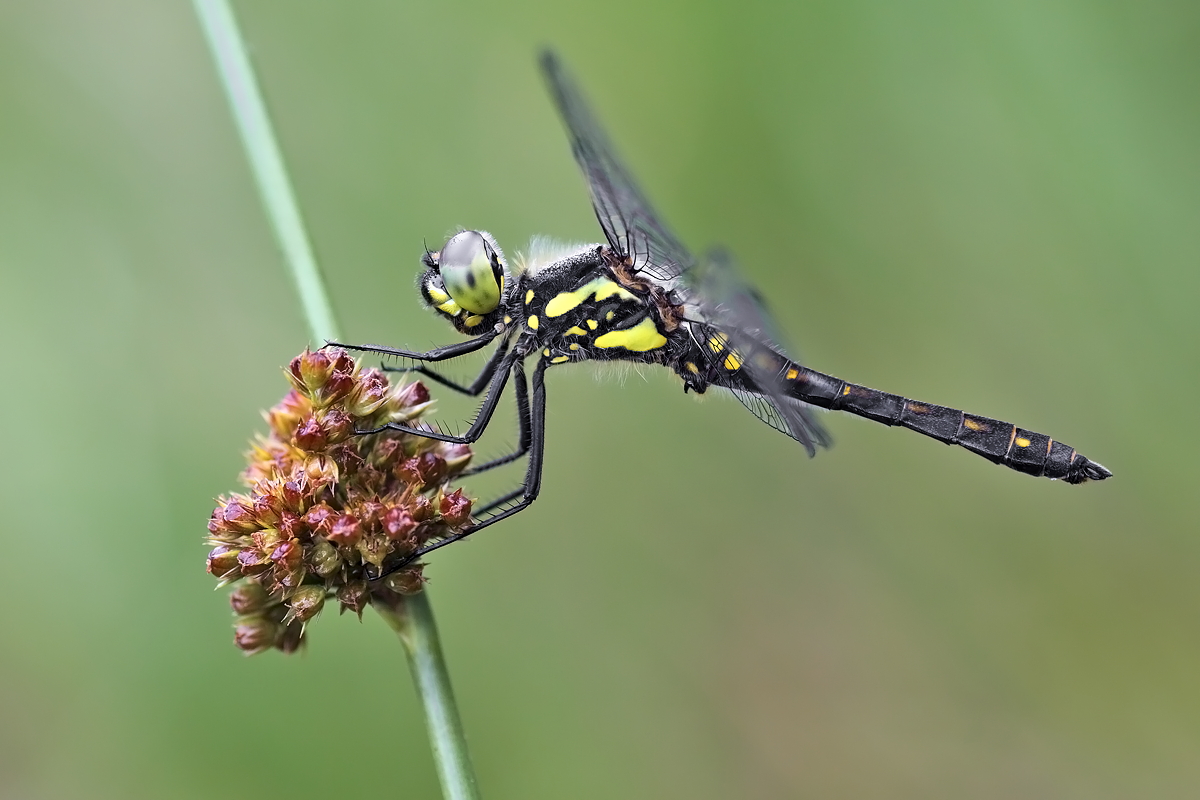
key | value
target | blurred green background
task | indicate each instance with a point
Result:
(991, 205)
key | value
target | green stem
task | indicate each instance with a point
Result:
(262, 149)
(412, 620)
(411, 617)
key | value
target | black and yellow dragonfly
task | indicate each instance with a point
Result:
(642, 297)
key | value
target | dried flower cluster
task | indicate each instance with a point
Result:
(325, 503)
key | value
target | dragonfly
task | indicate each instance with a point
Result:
(640, 296)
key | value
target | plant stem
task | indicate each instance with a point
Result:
(412, 620)
(262, 149)
(411, 617)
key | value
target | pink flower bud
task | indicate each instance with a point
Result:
(248, 597)
(455, 508)
(398, 523)
(223, 561)
(310, 434)
(255, 634)
(345, 530)
(288, 555)
(320, 518)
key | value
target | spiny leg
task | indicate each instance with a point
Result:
(436, 354)
(523, 425)
(472, 389)
(495, 390)
(476, 387)
(533, 476)
(503, 499)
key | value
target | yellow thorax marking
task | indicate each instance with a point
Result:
(528, 296)
(533, 322)
(602, 288)
(692, 368)
(640, 338)
(559, 359)
(591, 323)
(573, 346)
(575, 330)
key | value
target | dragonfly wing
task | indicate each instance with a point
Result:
(736, 310)
(629, 223)
(635, 232)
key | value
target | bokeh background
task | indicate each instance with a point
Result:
(992, 205)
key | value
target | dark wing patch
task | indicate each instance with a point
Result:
(630, 225)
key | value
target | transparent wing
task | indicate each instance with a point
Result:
(630, 225)
(634, 231)
(736, 309)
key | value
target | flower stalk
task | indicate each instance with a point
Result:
(410, 615)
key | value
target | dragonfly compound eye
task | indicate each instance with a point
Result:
(471, 272)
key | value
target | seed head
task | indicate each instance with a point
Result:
(323, 503)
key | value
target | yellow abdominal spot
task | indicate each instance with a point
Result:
(575, 330)
(717, 342)
(846, 390)
(792, 374)
(640, 338)
(533, 322)
(732, 362)
(1021, 441)
(602, 288)
(972, 425)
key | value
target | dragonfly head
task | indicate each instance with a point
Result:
(466, 280)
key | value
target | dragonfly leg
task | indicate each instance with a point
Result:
(523, 423)
(495, 390)
(527, 493)
(474, 388)
(436, 354)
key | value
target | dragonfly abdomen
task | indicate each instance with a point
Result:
(1000, 442)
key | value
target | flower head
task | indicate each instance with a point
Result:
(324, 504)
